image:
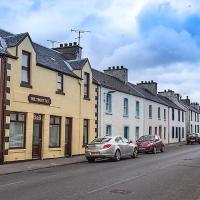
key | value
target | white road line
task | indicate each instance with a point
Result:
(10, 184)
(116, 183)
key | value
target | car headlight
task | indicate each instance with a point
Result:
(150, 144)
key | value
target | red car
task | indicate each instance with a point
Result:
(150, 144)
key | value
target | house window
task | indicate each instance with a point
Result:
(54, 131)
(195, 128)
(158, 112)
(150, 111)
(125, 107)
(173, 134)
(17, 130)
(137, 132)
(85, 131)
(109, 103)
(155, 130)
(183, 133)
(126, 132)
(59, 82)
(179, 115)
(182, 116)
(25, 70)
(164, 114)
(195, 119)
(86, 85)
(160, 131)
(176, 132)
(191, 115)
(137, 109)
(164, 133)
(108, 130)
(150, 130)
(173, 114)
(191, 129)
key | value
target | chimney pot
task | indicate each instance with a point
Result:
(187, 97)
(113, 67)
(65, 44)
(109, 68)
(151, 81)
(61, 45)
(117, 67)
(70, 44)
(142, 82)
(122, 67)
(75, 43)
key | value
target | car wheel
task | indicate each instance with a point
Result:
(117, 155)
(91, 160)
(154, 150)
(162, 149)
(188, 142)
(135, 153)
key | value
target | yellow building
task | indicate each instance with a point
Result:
(50, 101)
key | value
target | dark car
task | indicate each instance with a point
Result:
(150, 144)
(198, 137)
(191, 138)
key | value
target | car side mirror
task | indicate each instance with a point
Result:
(130, 142)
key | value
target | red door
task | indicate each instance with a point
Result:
(68, 136)
(37, 137)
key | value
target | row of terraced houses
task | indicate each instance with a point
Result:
(53, 102)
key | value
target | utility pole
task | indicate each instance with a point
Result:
(53, 42)
(79, 34)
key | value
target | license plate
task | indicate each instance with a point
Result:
(94, 153)
(192, 140)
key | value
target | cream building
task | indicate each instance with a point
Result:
(50, 106)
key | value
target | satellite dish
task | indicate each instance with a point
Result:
(3, 44)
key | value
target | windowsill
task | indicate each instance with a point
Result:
(137, 117)
(60, 92)
(17, 150)
(55, 148)
(125, 116)
(86, 98)
(26, 85)
(159, 118)
(150, 117)
(108, 113)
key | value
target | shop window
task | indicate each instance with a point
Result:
(54, 132)
(17, 130)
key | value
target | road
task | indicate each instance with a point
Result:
(173, 175)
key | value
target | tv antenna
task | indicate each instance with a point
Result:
(53, 42)
(79, 34)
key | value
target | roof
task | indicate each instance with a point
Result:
(111, 82)
(45, 57)
(77, 64)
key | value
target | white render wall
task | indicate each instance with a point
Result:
(116, 119)
(194, 122)
(154, 121)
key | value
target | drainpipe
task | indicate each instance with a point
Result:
(168, 125)
(3, 117)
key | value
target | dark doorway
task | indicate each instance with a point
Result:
(37, 136)
(68, 137)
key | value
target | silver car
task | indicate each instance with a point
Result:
(110, 147)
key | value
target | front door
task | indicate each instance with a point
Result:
(37, 136)
(68, 136)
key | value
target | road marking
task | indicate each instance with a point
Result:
(10, 184)
(114, 184)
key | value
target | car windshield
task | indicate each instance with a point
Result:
(146, 138)
(100, 140)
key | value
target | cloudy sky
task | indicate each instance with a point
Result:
(155, 39)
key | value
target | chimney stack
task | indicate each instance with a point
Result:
(117, 72)
(149, 85)
(71, 51)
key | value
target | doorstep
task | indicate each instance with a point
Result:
(17, 167)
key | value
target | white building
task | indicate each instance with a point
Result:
(133, 110)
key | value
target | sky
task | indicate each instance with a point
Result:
(155, 39)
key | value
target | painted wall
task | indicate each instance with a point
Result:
(71, 104)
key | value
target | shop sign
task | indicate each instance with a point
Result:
(39, 99)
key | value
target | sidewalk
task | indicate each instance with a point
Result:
(38, 164)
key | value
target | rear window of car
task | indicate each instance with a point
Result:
(146, 138)
(100, 140)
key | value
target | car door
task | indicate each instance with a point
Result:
(122, 146)
(127, 147)
(157, 142)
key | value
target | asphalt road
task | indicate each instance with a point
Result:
(173, 175)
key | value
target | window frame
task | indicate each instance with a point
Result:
(25, 119)
(60, 119)
(159, 113)
(137, 109)
(173, 116)
(27, 69)
(127, 129)
(179, 115)
(165, 118)
(150, 111)
(108, 126)
(126, 111)
(60, 91)
(86, 85)
(109, 103)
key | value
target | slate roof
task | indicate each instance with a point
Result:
(45, 57)
(129, 88)
(77, 64)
